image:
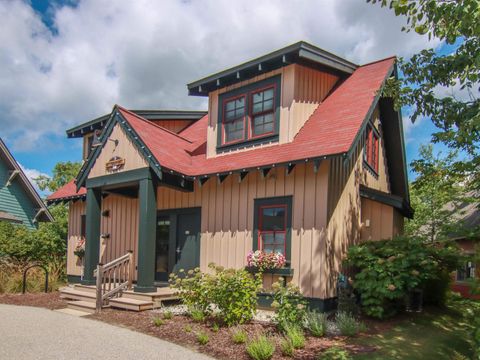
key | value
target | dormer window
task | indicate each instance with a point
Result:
(250, 114)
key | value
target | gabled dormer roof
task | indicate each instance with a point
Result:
(17, 174)
(298, 53)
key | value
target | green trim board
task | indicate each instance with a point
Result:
(99, 122)
(92, 243)
(119, 178)
(74, 279)
(117, 118)
(265, 300)
(280, 200)
(300, 52)
(388, 199)
(275, 81)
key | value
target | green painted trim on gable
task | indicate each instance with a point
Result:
(119, 178)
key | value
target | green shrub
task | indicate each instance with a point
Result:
(188, 328)
(316, 323)
(286, 347)
(167, 315)
(347, 301)
(435, 290)
(158, 322)
(239, 337)
(215, 328)
(232, 292)
(348, 325)
(334, 353)
(260, 348)
(295, 334)
(388, 270)
(202, 338)
(197, 315)
(288, 303)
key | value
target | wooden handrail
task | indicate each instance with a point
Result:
(113, 278)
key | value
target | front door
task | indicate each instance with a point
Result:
(178, 241)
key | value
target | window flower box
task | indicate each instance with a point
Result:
(268, 263)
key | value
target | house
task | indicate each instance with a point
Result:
(19, 202)
(468, 216)
(297, 153)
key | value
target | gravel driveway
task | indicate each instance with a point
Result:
(36, 333)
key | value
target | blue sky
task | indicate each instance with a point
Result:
(66, 62)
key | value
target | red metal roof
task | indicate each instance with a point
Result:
(330, 130)
(66, 192)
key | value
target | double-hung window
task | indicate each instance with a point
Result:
(272, 223)
(372, 143)
(250, 113)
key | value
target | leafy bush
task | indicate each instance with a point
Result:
(295, 334)
(286, 347)
(197, 315)
(388, 270)
(348, 325)
(239, 337)
(188, 328)
(288, 303)
(232, 292)
(215, 327)
(347, 301)
(260, 348)
(167, 315)
(202, 338)
(158, 322)
(316, 323)
(334, 353)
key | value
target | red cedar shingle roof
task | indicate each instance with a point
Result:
(68, 191)
(330, 130)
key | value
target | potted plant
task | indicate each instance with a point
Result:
(80, 248)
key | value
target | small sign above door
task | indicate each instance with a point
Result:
(115, 164)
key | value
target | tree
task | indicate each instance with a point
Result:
(63, 172)
(436, 195)
(457, 22)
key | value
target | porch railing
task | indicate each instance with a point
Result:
(113, 278)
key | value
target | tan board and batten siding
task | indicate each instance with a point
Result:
(327, 209)
(302, 90)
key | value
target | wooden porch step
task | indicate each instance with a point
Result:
(67, 293)
(86, 288)
(130, 304)
(84, 306)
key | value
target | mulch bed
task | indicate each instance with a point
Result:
(45, 300)
(182, 330)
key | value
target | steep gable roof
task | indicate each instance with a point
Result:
(43, 213)
(332, 130)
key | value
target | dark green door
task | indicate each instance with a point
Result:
(178, 241)
(187, 248)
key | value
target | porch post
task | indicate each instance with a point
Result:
(146, 235)
(92, 243)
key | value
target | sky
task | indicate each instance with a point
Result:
(65, 62)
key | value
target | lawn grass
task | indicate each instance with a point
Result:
(434, 334)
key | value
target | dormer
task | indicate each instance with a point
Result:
(266, 101)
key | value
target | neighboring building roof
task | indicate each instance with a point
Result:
(67, 192)
(99, 123)
(331, 130)
(300, 53)
(42, 210)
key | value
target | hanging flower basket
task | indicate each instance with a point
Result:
(80, 249)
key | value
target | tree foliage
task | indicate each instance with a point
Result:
(63, 172)
(426, 74)
(436, 194)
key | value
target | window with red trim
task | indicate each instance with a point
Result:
(249, 113)
(272, 228)
(371, 152)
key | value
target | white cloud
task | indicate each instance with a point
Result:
(142, 53)
(31, 175)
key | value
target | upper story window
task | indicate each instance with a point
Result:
(249, 114)
(372, 143)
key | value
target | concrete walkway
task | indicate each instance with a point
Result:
(35, 333)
